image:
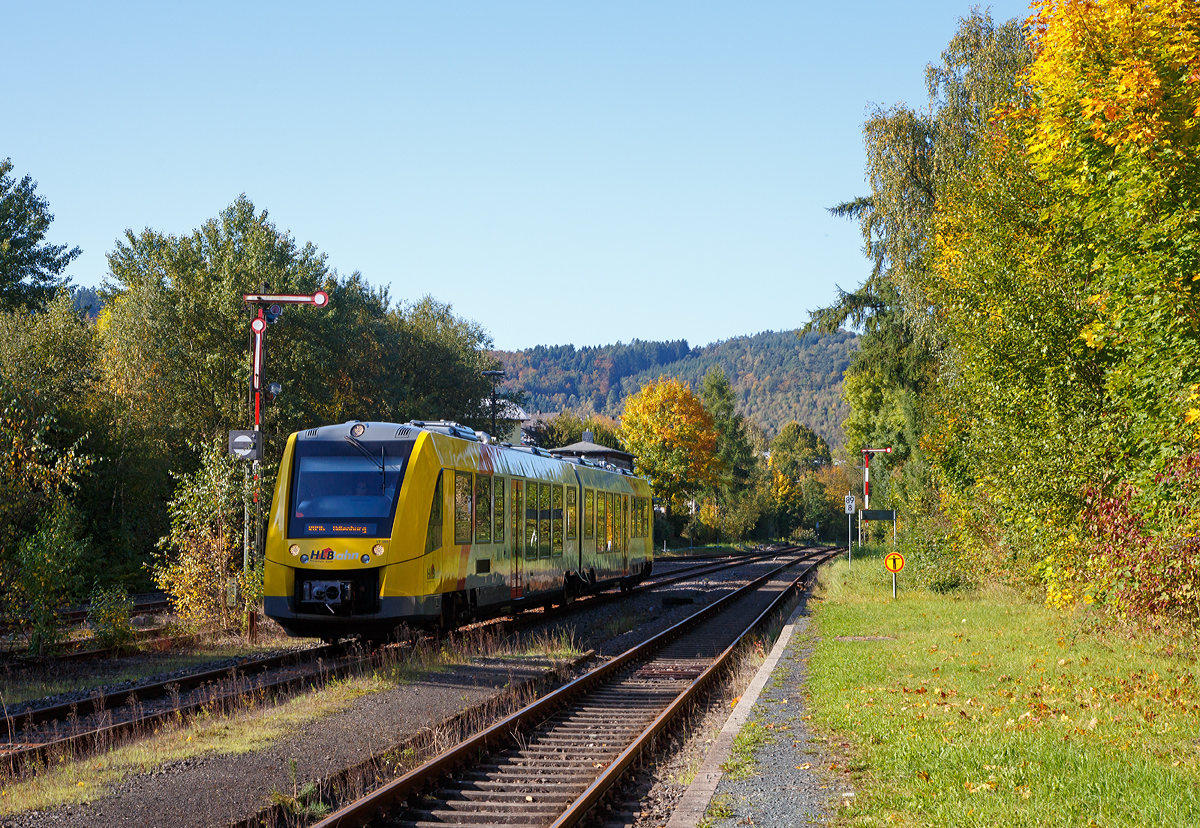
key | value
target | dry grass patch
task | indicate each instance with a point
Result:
(89, 778)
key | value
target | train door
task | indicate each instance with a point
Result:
(516, 533)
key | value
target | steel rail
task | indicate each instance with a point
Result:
(146, 602)
(597, 599)
(97, 737)
(579, 809)
(57, 712)
(142, 638)
(361, 811)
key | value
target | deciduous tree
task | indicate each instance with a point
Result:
(672, 437)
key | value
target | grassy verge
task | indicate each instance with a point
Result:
(991, 710)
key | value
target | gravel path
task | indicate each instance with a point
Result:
(790, 783)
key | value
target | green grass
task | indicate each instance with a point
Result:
(992, 710)
(740, 764)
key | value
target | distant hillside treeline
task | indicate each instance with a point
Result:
(777, 376)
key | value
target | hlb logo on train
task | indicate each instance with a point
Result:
(328, 554)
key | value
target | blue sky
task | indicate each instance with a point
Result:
(579, 173)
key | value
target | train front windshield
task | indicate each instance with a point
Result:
(346, 489)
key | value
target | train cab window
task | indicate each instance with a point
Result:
(498, 512)
(483, 508)
(433, 533)
(572, 513)
(543, 520)
(344, 488)
(600, 519)
(556, 520)
(518, 505)
(462, 507)
(589, 513)
(531, 520)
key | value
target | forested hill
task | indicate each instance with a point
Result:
(777, 376)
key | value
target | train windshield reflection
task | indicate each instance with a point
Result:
(346, 488)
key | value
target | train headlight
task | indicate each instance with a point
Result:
(294, 549)
(377, 549)
(357, 430)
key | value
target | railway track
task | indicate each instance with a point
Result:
(556, 759)
(37, 734)
(144, 603)
(78, 727)
(657, 581)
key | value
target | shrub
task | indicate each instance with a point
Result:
(48, 565)
(1143, 549)
(205, 538)
(932, 557)
(109, 616)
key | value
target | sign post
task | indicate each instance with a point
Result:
(894, 562)
(849, 528)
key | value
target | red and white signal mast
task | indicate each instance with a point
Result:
(270, 305)
(248, 445)
(867, 472)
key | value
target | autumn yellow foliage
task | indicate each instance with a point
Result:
(668, 430)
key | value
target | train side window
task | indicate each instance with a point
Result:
(609, 522)
(531, 520)
(433, 533)
(544, 520)
(517, 505)
(600, 513)
(614, 513)
(589, 513)
(637, 517)
(462, 507)
(556, 520)
(483, 508)
(572, 512)
(624, 522)
(498, 511)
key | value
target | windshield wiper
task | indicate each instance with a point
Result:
(366, 452)
(381, 462)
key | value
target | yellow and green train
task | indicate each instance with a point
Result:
(374, 525)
